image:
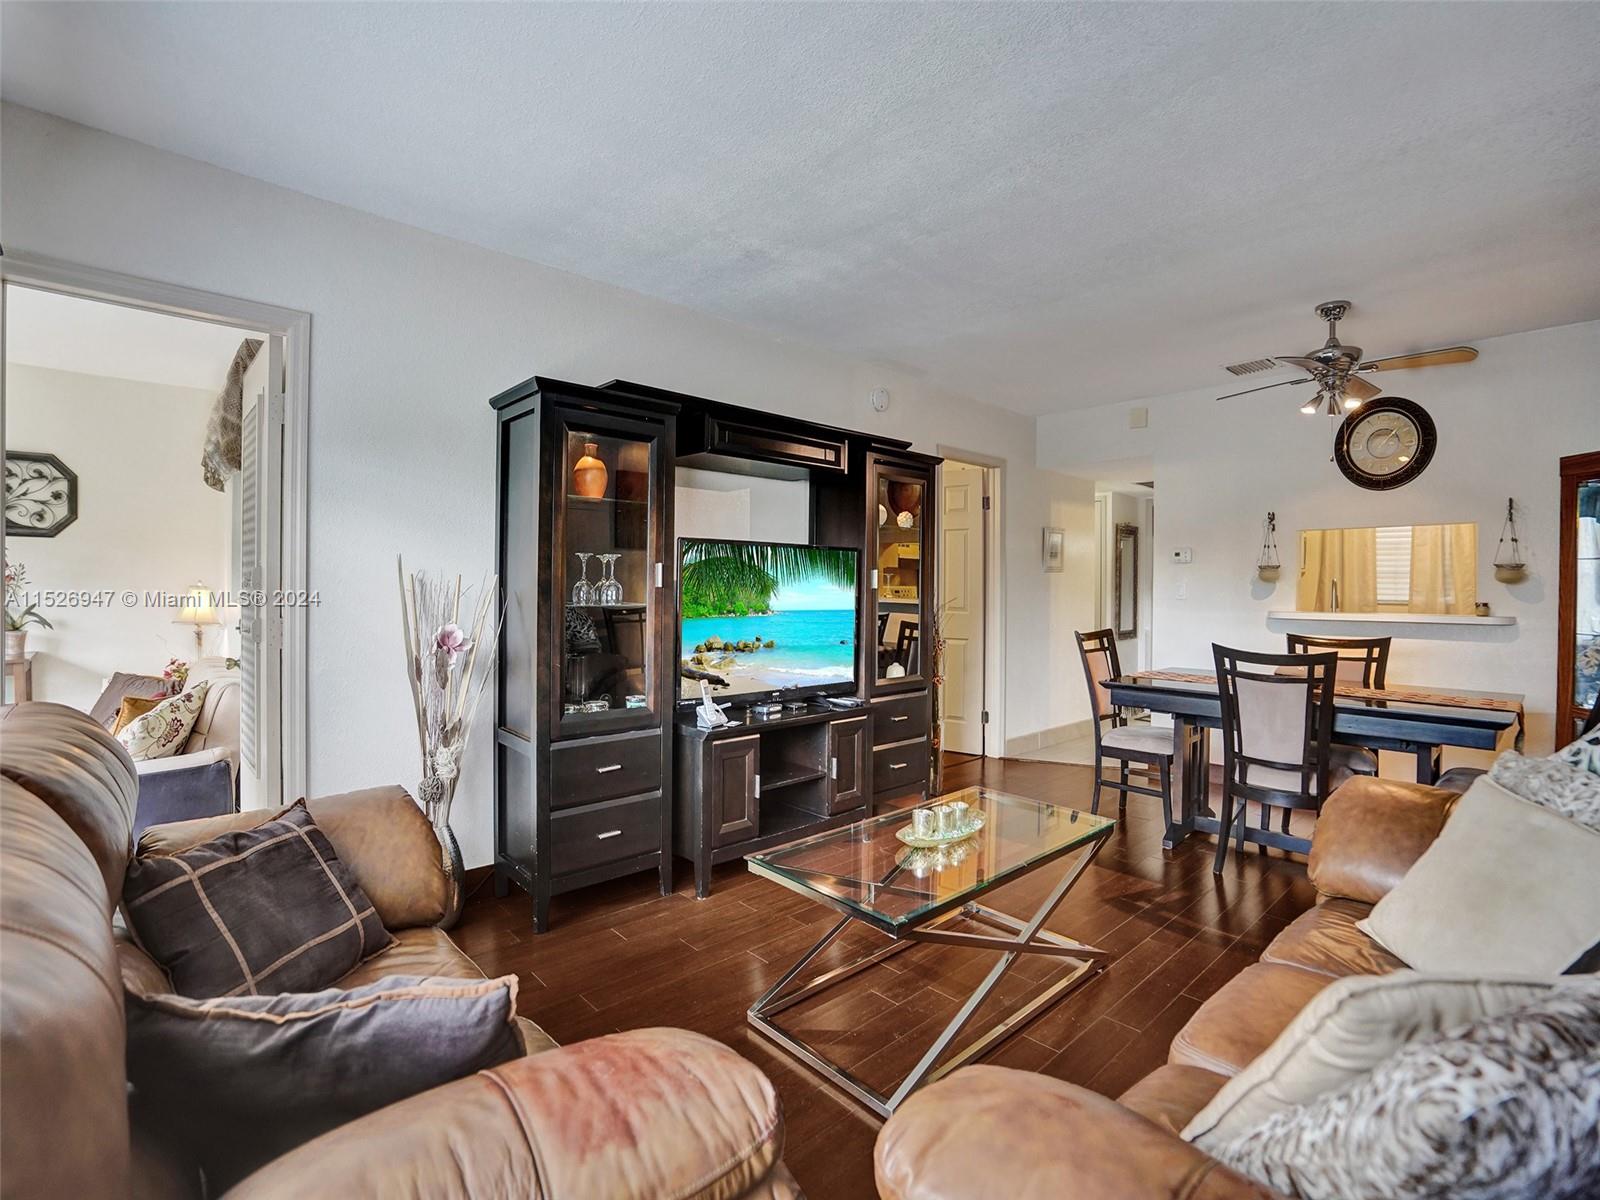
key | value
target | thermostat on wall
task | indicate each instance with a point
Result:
(1183, 554)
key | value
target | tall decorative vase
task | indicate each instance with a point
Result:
(435, 794)
(16, 643)
(589, 473)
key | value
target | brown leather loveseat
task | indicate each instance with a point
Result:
(655, 1112)
(993, 1132)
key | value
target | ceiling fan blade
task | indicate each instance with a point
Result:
(1360, 389)
(1264, 387)
(1305, 364)
(1428, 358)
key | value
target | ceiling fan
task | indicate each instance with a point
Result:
(1334, 368)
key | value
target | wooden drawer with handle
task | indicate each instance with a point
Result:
(900, 718)
(603, 769)
(900, 767)
(603, 833)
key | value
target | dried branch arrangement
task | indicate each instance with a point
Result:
(449, 665)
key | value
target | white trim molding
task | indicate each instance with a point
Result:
(294, 327)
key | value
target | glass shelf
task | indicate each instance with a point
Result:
(606, 527)
(899, 558)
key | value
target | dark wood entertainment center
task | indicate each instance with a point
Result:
(600, 768)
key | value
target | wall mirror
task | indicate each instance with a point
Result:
(1127, 572)
(1389, 568)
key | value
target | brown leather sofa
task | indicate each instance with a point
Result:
(656, 1112)
(989, 1131)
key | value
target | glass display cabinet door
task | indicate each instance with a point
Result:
(900, 547)
(1580, 598)
(605, 577)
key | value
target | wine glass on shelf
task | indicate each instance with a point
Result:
(609, 590)
(583, 590)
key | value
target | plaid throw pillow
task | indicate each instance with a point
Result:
(255, 912)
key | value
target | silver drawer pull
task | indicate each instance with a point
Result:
(902, 717)
(600, 837)
(898, 766)
(608, 770)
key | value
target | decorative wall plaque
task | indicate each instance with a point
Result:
(41, 494)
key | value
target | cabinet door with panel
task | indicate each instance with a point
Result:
(734, 787)
(609, 612)
(849, 772)
(899, 572)
(1578, 654)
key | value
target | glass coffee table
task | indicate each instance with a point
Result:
(869, 875)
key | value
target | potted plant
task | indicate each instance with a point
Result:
(18, 615)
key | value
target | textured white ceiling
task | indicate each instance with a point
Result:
(68, 333)
(1047, 206)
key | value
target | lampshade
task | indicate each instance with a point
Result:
(198, 607)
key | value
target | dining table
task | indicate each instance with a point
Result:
(1415, 720)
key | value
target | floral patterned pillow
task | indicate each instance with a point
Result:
(1583, 753)
(163, 730)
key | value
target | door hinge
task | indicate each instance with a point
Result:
(275, 408)
(986, 503)
(983, 718)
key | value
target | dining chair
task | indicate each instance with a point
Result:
(905, 645)
(1124, 742)
(1277, 729)
(1363, 662)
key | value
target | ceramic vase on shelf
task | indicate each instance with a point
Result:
(905, 497)
(589, 474)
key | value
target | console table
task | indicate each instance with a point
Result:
(759, 781)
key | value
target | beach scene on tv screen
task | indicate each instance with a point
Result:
(767, 618)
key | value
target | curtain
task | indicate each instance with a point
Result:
(221, 454)
(1444, 568)
(1348, 556)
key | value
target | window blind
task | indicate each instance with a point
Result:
(1394, 564)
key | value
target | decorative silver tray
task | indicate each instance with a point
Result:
(973, 825)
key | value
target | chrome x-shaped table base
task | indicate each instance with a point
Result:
(1025, 937)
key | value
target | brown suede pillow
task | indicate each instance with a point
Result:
(230, 1084)
(132, 708)
(253, 912)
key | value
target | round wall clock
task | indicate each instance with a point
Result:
(1386, 443)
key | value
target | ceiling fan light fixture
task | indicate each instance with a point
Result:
(1310, 406)
(1351, 402)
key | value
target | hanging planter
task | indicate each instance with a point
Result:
(1509, 564)
(1268, 564)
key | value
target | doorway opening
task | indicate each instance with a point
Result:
(967, 605)
(154, 523)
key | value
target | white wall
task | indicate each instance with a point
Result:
(773, 510)
(1503, 422)
(146, 522)
(411, 334)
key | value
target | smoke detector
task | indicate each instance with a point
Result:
(880, 399)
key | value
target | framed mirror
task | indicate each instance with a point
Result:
(1127, 575)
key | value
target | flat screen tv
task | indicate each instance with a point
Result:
(765, 620)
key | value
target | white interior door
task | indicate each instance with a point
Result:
(961, 558)
(260, 545)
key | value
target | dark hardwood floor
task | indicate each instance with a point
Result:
(621, 956)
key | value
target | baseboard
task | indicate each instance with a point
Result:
(1026, 743)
